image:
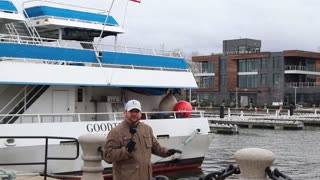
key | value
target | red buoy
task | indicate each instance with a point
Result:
(184, 109)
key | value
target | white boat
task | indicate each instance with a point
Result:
(55, 81)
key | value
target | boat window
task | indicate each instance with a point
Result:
(80, 95)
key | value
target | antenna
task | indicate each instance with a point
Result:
(105, 22)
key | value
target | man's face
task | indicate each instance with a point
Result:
(133, 116)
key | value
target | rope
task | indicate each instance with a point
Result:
(193, 134)
(8, 175)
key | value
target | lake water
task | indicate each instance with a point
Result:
(297, 153)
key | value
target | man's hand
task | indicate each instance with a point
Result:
(130, 145)
(173, 151)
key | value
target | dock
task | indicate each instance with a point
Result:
(224, 128)
(260, 123)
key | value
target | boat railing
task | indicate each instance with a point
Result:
(66, 19)
(76, 45)
(62, 5)
(84, 117)
(73, 63)
(137, 50)
(47, 157)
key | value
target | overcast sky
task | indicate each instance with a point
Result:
(202, 25)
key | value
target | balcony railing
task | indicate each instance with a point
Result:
(302, 84)
(298, 68)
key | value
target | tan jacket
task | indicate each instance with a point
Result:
(137, 165)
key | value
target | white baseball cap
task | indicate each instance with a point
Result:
(133, 104)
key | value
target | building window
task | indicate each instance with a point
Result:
(263, 80)
(249, 81)
(264, 64)
(223, 65)
(223, 80)
(276, 79)
(247, 65)
(205, 98)
(206, 82)
(276, 62)
(207, 67)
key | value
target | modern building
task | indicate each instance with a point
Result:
(243, 74)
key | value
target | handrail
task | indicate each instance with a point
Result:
(299, 68)
(64, 62)
(22, 99)
(155, 52)
(31, 28)
(26, 102)
(46, 157)
(22, 90)
(302, 84)
(114, 116)
(68, 19)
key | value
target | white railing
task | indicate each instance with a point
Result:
(19, 98)
(302, 84)
(83, 117)
(298, 68)
(49, 42)
(90, 64)
(66, 19)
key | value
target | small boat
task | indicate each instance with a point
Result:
(57, 82)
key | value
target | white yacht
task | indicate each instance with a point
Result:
(56, 82)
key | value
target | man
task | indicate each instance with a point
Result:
(130, 144)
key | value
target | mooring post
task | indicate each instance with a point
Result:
(92, 167)
(221, 111)
(253, 162)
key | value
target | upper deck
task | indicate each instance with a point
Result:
(55, 62)
(9, 12)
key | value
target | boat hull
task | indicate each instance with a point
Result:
(192, 138)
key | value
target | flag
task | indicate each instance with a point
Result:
(137, 1)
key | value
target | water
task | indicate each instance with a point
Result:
(297, 153)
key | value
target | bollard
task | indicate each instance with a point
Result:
(267, 111)
(229, 113)
(92, 168)
(241, 114)
(291, 109)
(221, 111)
(253, 162)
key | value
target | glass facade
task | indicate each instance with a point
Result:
(264, 63)
(205, 97)
(247, 81)
(207, 67)
(263, 80)
(206, 82)
(276, 79)
(276, 62)
(247, 65)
